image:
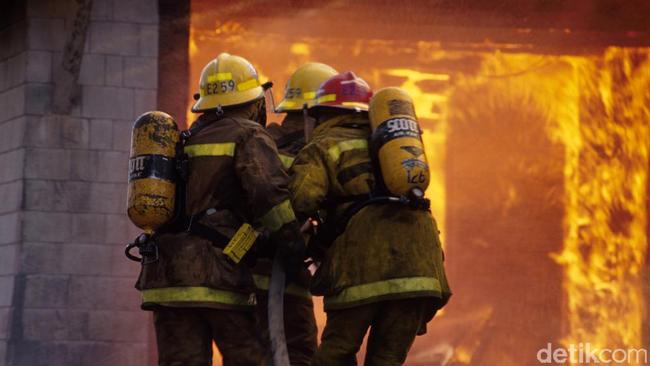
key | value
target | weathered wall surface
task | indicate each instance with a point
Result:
(66, 290)
(12, 120)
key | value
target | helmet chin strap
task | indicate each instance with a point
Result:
(261, 112)
(256, 111)
(309, 123)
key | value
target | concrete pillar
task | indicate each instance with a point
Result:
(66, 290)
(173, 70)
(13, 51)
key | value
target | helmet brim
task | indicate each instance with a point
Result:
(294, 105)
(210, 102)
(351, 106)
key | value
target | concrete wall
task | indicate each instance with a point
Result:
(66, 290)
(12, 121)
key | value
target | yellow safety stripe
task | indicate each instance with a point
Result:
(297, 102)
(280, 214)
(219, 149)
(309, 95)
(384, 288)
(346, 145)
(327, 98)
(262, 283)
(287, 160)
(219, 77)
(249, 84)
(291, 103)
(356, 104)
(195, 294)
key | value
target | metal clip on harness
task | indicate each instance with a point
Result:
(147, 248)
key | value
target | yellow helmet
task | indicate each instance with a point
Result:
(302, 86)
(227, 80)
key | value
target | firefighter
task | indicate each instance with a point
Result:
(382, 268)
(300, 323)
(234, 177)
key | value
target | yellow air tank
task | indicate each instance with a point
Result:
(152, 171)
(397, 142)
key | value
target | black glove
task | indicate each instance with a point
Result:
(293, 255)
(291, 248)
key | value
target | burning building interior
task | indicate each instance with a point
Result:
(536, 119)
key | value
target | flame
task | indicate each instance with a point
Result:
(606, 134)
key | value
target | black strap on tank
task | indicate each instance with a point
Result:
(192, 225)
(351, 172)
(201, 123)
(357, 126)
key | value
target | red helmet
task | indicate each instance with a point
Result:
(345, 90)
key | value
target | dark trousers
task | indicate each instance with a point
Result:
(393, 326)
(299, 327)
(185, 335)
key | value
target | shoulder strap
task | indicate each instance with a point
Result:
(200, 124)
(353, 125)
